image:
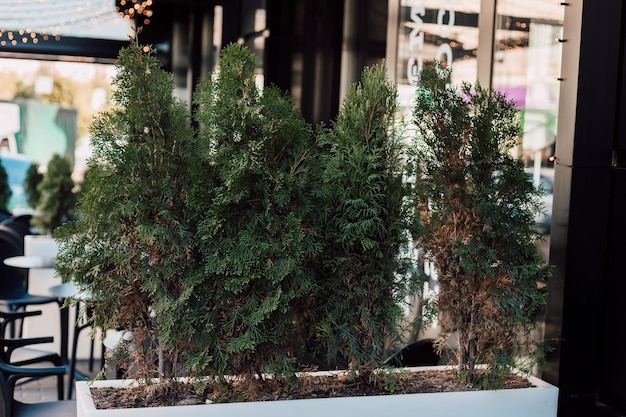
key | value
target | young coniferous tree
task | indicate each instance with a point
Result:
(364, 220)
(31, 181)
(5, 188)
(476, 211)
(132, 245)
(249, 207)
(57, 201)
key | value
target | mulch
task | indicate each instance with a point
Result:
(431, 381)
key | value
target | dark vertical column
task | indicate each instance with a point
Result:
(159, 32)
(182, 34)
(303, 53)
(585, 187)
(280, 44)
(322, 59)
(231, 27)
(612, 389)
(355, 40)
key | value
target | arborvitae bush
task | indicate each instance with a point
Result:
(5, 188)
(132, 246)
(364, 268)
(31, 181)
(224, 248)
(476, 209)
(57, 201)
(249, 207)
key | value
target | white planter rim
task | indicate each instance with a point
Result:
(538, 401)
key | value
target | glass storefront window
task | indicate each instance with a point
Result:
(526, 61)
(443, 30)
(526, 66)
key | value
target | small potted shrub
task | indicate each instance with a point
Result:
(57, 201)
(253, 243)
(365, 269)
(5, 188)
(132, 245)
(476, 212)
(31, 182)
(220, 250)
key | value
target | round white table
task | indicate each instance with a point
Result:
(30, 262)
(39, 262)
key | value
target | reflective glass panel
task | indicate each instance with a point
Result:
(445, 30)
(526, 67)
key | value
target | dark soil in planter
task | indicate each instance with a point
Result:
(270, 390)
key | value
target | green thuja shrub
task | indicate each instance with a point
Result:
(364, 269)
(5, 188)
(57, 201)
(476, 212)
(133, 244)
(249, 207)
(31, 181)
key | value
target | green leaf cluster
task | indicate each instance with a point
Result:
(5, 188)
(251, 205)
(133, 246)
(364, 269)
(31, 181)
(57, 202)
(476, 221)
(224, 248)
(225, 239)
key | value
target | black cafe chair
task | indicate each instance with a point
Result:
(12, 374)
(19, 225)
(20, 351)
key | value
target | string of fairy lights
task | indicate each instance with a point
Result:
(31, 21)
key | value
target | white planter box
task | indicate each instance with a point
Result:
(539, 401)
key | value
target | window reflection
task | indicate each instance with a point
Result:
(527, 63)
(445, 30)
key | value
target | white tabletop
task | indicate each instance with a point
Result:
(30, 262)
(68, 290)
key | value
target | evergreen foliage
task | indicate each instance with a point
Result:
(476, 212)
(364, 269)
(57, 201)
(250, 205)
(133, 245)
(31, 181)
(222, 249)
(5, 188)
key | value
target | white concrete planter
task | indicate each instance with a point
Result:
(539, 401)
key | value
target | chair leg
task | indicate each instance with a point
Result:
(91, 357)
(12, 327)
(60, 387)
(72, 372)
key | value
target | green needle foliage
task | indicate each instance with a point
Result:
(57, 201)
(250, 206)
(476, 209)
(5, 188)
(31, 181)
(364, 268)
(132, 247)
